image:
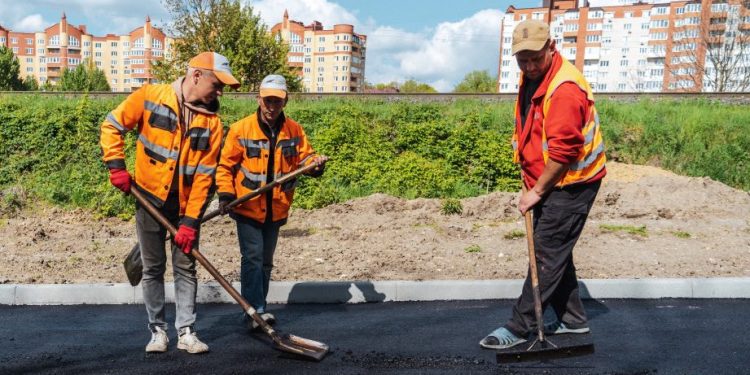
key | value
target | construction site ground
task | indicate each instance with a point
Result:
(646, 223)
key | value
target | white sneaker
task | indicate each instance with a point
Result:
(189, 342)
(159, 341)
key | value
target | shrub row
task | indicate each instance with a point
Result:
(49, 146)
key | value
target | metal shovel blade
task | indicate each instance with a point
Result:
(564, 346)
(300, 346)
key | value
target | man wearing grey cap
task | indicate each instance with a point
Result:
(258, 149)
(558, 145)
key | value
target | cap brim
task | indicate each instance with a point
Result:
(529, 45)
(272, 92)
(227, 79)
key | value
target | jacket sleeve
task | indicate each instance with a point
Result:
(202, 189)
(121, 120)
(564, 123)
(307, 154)
(231, 155)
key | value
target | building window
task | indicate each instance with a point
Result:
(97, 45)
(113, 44)
(54, 40)
(321, 59)
(87, 44)
(13, 40)
(624, 63)
(29, 51)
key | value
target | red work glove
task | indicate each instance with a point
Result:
(185, 238)
(120, 178)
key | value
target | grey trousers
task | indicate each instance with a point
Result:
(558, 222)
(153, 254)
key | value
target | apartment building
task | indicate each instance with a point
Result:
(628, 46)
(125, 59)
(328, 60)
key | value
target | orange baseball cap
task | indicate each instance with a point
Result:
(216, 63)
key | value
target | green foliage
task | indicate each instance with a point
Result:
(412, 86)
(85, 77)
(477, 81)
(630, 229)
(681, 234)
(451, 206)
(49, 146)
(30, 84)
(231, 29)
(690, 137)
(9, 70)
(514, 234)
(473, 249)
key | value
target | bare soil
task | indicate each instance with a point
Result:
(646, 223)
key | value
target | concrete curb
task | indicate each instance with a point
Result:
(378, 291)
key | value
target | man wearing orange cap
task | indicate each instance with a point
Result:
(558, 145)
(176, 153)
(258, 149)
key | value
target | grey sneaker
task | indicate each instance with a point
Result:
(267, 317)
(159, 341)
(189, 342)
(559, 328)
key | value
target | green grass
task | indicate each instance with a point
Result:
(630, 229)
(451, 207)
(514, 234)
(473, 249)
(681, 234)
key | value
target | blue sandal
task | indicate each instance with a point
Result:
(501, 338)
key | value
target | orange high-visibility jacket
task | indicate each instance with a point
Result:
(162, 150)
(243, 166)
(591, 158)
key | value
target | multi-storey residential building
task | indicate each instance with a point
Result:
(643, 46)
(125, 59)
(330, 60)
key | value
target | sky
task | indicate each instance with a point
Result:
(432, 41)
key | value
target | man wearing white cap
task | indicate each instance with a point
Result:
(258, 149)
(176, 154)
(558, 144)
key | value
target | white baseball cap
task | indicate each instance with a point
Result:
(273, 85)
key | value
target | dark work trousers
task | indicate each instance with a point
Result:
(558, 222)
(151, 236)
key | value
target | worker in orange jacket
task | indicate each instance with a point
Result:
(177, 150)
(558, 144)
(258, 149)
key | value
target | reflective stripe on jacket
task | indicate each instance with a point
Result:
(243, 165)
(591, 158)
(162, 150)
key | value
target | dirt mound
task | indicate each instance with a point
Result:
(646, 222)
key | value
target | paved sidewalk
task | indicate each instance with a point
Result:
(379, 291)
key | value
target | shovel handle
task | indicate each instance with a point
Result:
(534, 273)
(263, 189)
(205, 263)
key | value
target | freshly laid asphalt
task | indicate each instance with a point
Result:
(634, 336)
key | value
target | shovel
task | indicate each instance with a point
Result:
(134, 266)
(285, 342)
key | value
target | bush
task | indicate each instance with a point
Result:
(452, 207)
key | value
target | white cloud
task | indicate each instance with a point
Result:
(455, 49)
(32, 23)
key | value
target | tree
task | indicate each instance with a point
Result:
(228, 28)
(477, 81)
(711, 54)
(29, 83)
(412, 86)
(85, 77)
(9, 71)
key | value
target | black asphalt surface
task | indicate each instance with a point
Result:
(668, 336)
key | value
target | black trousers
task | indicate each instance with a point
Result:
(558, 222)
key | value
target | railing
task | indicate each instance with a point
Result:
(733, 97)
